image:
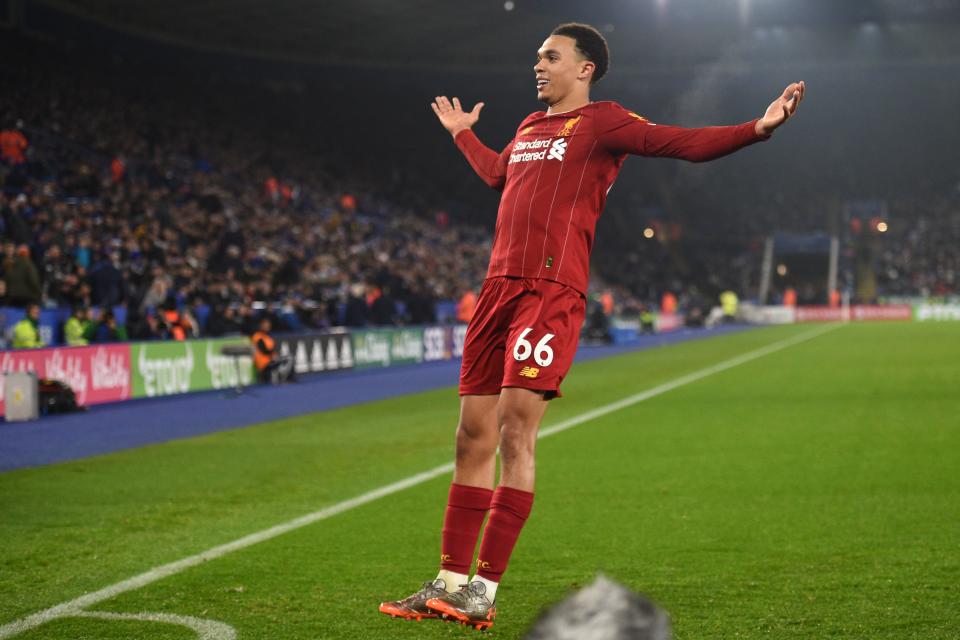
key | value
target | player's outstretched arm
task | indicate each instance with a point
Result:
(489, 165)
(452, 116)
(781, 109)
(626, 132)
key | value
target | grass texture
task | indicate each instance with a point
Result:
(810, 493)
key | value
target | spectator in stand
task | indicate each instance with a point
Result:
(467, 306)
(356, 312)
(180, 322)
(106, 281)
(383, 310)
(58, 276)
(9, 254)
(157, 294)
(223, 321)
(421, 304)
(16, 228)
(23, 280)
(82, 253)
(77, 326)
(107, 329)
(118, 169)
(26, 333)
(13, 145)
(790, 297)
(271, 188)
(668, 303)
(150, 326)
(607, 300)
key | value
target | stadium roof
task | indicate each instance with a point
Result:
(479, 34)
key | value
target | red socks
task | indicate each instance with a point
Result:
(508, 511)
(466, 508)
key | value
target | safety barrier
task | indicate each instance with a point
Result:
(124, 371)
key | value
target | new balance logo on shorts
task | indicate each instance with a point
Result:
(529, 372)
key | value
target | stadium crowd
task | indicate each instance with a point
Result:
(104, 204)
(920, 254)
(202, 226)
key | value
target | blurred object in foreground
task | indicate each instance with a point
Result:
(604, 610)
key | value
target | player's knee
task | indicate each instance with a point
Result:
(476, 430)
(475, 442)
(517, 442)
(516, 419)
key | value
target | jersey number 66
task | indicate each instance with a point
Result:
(542, 353)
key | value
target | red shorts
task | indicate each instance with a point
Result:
(524, 333)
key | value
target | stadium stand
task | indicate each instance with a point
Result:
(191, 222)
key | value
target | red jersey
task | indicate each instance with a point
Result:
(555, 175)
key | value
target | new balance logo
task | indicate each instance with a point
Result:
(557, 149)
(529, 372)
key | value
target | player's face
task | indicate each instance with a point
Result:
(560, 69)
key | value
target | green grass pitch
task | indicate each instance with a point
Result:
(810, 493)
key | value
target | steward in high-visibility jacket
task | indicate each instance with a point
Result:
(264, 348)
(729, 302)
(76, 327)
(26, 333)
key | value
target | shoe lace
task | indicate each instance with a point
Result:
(426, 589)
(467, 592)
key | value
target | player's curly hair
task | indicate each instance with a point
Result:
(590, 44)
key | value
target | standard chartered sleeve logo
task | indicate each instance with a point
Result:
(557, 149)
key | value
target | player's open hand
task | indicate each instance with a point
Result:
(452, 116)
(781, 109)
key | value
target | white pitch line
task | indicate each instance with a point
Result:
(684, 380)
(206, 629)
(76, 606)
